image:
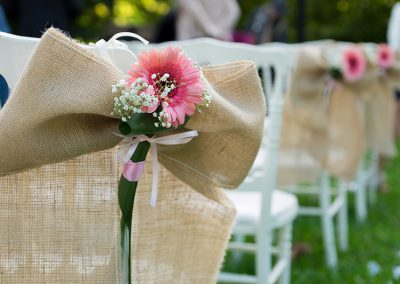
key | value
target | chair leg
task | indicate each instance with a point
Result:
(327, 223)
(263, 255)
(372, 190)
(237, 255)
(373, 178)
(360, 194)
(286, 253)
(361, 202)
(343, 224)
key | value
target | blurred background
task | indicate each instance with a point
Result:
(292, 20)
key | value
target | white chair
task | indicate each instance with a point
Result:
(15, 52)
(327, 208)
(260, 208)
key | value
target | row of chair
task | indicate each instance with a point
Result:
(263, 210)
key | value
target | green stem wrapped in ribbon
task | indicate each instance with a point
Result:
(126, 198)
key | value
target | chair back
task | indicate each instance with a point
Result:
(15, 52)
(211, 51)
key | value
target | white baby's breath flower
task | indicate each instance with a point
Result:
(121, 83)
(165, 77)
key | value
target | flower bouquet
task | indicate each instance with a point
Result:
(163, 91)
(347, 66)
(385, 57)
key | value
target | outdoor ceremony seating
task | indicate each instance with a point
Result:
(366, 175)
(323, 137)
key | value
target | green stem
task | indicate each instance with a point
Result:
(126, 199)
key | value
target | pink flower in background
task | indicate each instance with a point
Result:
(353, 63)
(385, 56)
(175, 80)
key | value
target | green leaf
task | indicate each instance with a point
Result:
(143, 123)
(336, 73)
(126, 200)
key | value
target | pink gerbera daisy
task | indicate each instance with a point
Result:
(353, 63)
(385, 56)
(175, 80)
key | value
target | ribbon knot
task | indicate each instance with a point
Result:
(132, 171)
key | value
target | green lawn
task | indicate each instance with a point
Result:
(377, 240)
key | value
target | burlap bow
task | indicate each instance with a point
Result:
(379, 106)
(320, 131)
(65, 208)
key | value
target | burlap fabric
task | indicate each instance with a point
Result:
(61, 218)
(319, 132)
(379, 105)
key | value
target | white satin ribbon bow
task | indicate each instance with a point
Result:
(129, 145)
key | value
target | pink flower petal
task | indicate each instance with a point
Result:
(189, 87)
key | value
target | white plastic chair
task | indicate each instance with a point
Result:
(260, 208)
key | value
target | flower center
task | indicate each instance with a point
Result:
(165, 85)
(353, 63)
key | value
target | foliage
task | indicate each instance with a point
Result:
(347, 20)
(98, 16)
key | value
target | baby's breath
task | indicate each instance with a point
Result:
(140, 95)
(207, 98)
(129, 100)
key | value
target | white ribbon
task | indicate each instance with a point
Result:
(129, 145)
(102, 45)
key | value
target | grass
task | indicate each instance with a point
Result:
(376, 240)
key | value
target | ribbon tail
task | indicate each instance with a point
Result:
(154, 190)
(126, 151)
(327, 92)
